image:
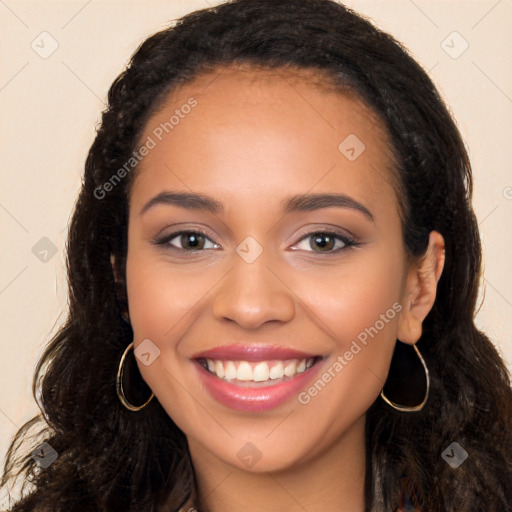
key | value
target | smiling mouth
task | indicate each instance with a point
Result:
(257, 373)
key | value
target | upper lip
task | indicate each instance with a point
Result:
(241, 352)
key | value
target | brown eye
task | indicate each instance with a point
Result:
(190, 241)
(326, 242)
(323, 241)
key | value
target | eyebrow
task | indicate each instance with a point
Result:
(296, 203)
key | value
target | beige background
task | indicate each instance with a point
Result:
(50, 107)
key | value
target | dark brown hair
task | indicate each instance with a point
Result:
(111, 459)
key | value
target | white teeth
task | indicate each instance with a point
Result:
(258, 371)
(219, 369)
(290, 369)
(277, 371)
(229, 370)
(261, 372)
(244, 371)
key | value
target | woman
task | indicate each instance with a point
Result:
(313, 348)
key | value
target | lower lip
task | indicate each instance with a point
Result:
(255, 399)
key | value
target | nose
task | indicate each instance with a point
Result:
(252, 294)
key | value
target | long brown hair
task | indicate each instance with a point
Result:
(111, 459)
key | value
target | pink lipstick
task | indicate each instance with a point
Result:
(255, 377)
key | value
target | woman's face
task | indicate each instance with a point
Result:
(268, 281)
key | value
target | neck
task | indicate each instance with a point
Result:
(331, 481)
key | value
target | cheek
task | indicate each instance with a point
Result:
(161, 296)
(351, 297)
(162, 306)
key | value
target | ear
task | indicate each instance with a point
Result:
(420, 289)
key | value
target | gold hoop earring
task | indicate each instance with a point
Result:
(407, 408)
(119, 385)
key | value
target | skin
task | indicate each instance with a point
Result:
(253, 140)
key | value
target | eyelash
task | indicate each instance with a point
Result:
(348, 241)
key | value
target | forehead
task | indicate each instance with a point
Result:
(258, 134)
